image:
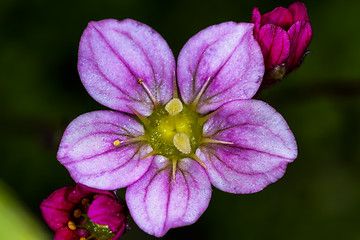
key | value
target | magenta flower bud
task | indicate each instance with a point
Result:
(284, 35)
(81, 213)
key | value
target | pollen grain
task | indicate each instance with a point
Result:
(71, 225)
(116, 143)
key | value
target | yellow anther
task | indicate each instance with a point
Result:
(182, 142)
(71, 225)
(95, 196)
(174, 106)
(116, 143)
(82, 238)
(140, 80)
(77, 213)
(85, 201)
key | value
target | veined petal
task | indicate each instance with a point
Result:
(105, 210)
(300, 35)
(114, 55)
(256, 19)
(279, 16)
(87, 150)
(65, 233)
(157, 204)
(275, 45)
(56, 210)
(80, 191)
(262, 146)
(298, 11)
(225, 61)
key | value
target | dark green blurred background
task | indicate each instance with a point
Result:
(318, 197)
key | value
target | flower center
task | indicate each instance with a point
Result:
(174, 130)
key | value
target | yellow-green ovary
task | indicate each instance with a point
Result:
(171, 128)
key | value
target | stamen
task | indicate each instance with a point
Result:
(202, 90)
(135, 139)
(174, 164)
(77, 213)
(142, 118)
(193, 156)
(153, 152)
(147, 90)
(82, 238)
(210, 140)
(174, 106)
(182, 143)
(71, 225)
(204, 119)
(85, 201)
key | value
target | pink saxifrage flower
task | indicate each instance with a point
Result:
(176, 129)
(80, 212)
(284, 35)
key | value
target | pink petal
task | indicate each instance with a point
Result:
(87, 150)
(105, 210)
(157, 204)
(56, 210)
(256, 19)
(114, 55)
(65, 233)
(279, 16)
(82, 191)
(275, 45)
(298, 11)
(300, 35)
(225, 60)
(262, 147)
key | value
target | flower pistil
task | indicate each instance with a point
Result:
(174, 130)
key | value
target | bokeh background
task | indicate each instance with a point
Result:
(41, 93)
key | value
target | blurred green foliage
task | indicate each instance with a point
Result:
(16, 222)
(319, 196)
